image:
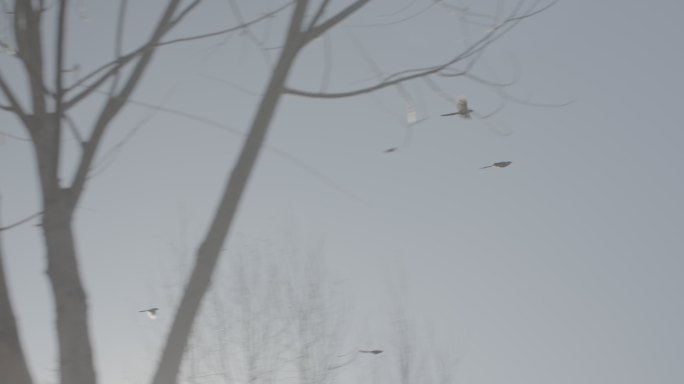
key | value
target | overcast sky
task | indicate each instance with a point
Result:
(564, 267)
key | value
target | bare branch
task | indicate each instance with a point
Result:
(319, 13)
(294, 31)
(183, 13)
(19, 138)
(315, 31)
(255, 40)
(474, 49)
(53, 165)
(500, 89)
(233, 85)
(14, 103)
(228, 30)
(29, 44)
(402, 9)
(491, 83)
(74, 130)
(118, 42)
(20, 222)
(110, 156)
(114, 66)
(12, 358)
(297, 162)
(60, 53)
(408, 120)
(376, 68)
(7, 15)
(336, 95)
(531, 103)
(114, 104)
(144, 51)
(409, 17)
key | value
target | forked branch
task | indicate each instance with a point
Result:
(473, 50)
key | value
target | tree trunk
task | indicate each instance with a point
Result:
(209, 251)
(13, 367)
(75, 354)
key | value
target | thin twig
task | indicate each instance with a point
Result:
(270, 148)
(399, 77)
(20, 222)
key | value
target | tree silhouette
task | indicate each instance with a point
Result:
(44, 109)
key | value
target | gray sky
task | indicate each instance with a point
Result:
(564, 267)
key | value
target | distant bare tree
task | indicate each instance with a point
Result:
(319, 324)
(247, 317)
(275, 315)
(272, 316)
(418, 359)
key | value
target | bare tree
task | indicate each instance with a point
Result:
(418, 358)
(319, 324)
(273, 315)
(276, 315)
(45, 115)
(247, 317)
(13, 367)
(302, 30)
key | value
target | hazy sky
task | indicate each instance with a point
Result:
(565, 267)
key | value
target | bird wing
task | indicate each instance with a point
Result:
(462, 105)
(450, 114)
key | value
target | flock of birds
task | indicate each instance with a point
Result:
(462, 110)
(465, 112)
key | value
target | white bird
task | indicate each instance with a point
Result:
(461, 109)
(411, 116)
(151, 313)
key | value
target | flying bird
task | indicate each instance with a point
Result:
(390, 150)
(411, 117)
(375, 351)
(461, 109)
(151, 313)
(501, 164)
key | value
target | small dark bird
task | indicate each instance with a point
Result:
(390, 150)
(151, 313)
(375, 351)
(501, 164)
(461, 109)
